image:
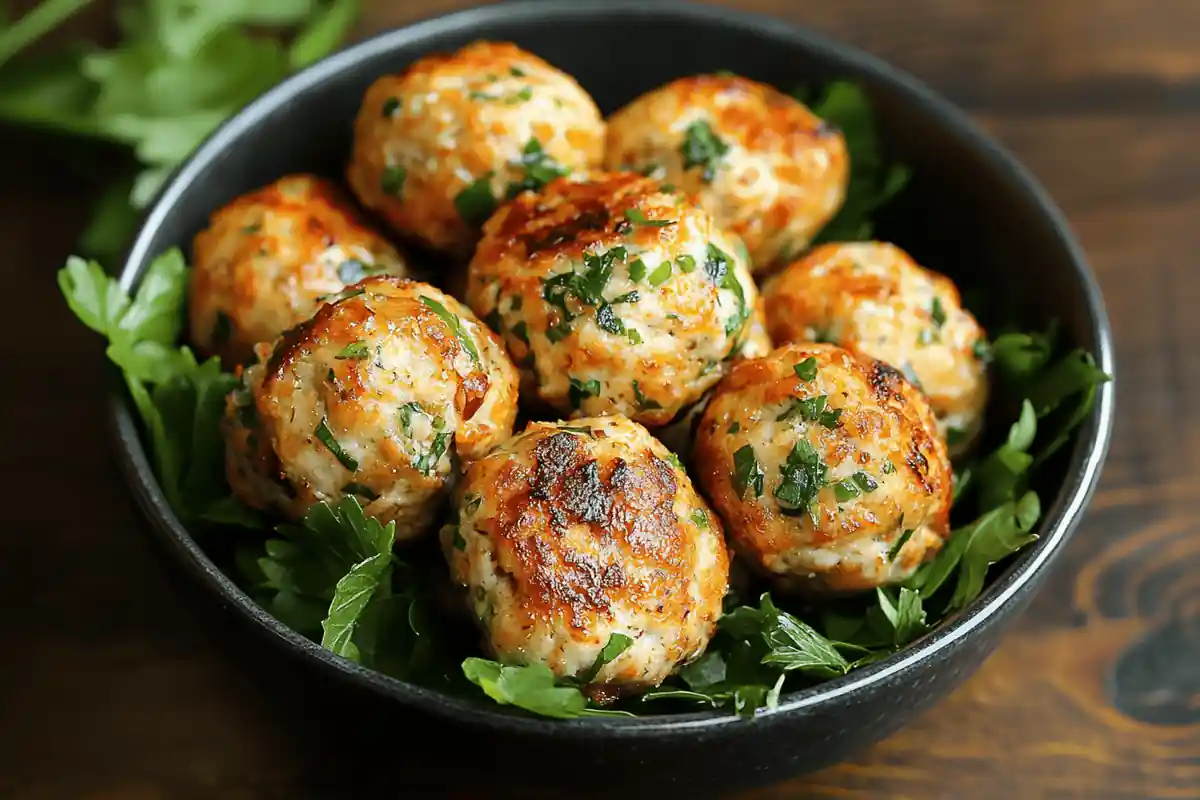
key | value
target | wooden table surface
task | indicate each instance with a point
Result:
(116, 684)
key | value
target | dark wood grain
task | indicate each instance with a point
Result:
(114, 683)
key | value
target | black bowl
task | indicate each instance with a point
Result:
(971, 211)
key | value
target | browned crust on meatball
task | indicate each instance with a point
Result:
(325, 216)
(628, 508)
(756, 527)
(569, 217)
(431, 215)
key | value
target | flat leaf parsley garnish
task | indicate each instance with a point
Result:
(873, 182)
(179, 400)
(177, 70)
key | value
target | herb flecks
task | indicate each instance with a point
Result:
(581, 390)
(539, 167)
(702, 148)
(638, 218)
(326, 437)
(476, 203)
(747, 473)
(801, 479)
(456, 326)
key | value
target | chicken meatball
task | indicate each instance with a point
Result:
(827, 469)
(436, 146)
(871, 297)
(377, 396)
(573, 536)
(764, 166)
(615, 295)
(266, 259)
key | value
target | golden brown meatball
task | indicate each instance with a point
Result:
(573, 533)
(872, 297)
(376, 396)
(436, 146)
(615, 296)
(763, 165)
(267, 258)
(826, 468)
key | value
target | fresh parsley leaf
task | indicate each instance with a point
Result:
(476, 203)
(801, 478)
(539, 167)
(872, 182)
(325, 436)
(1020, 356)
(702, 148)
(391, 182)
(428, 461)
(581, 390)
(642, 401)
(325, 30)
(456, 326)
(335, 559)
(994, 538)
(813, 409)
(529, 687)
(899, 544)
(852, 487)
(806, 370)
(180, 401)
(354, 351)
(36, 23)
(999, 532)
(636, 216)
(608, 320)
(1073, 374)
(746, 472)
(1003, 473)
(937, 312)
(718, 266)
(796, 646)
(350, 598)
(905, 614)
(617, 644)
(661, 275)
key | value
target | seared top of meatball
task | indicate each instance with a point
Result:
(767, 168)
(438, 145)
(594, 516)
(618, 294)
(267, 257)
(387, 312)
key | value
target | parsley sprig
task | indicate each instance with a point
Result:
(178, 70)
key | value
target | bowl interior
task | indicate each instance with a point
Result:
(969, 211)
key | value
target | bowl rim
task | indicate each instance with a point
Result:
(1060, 520)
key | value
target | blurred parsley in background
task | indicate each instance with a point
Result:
(179, 69)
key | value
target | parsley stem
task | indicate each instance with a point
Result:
(39, 21)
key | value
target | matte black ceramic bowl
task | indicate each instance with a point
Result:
(970, 211)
